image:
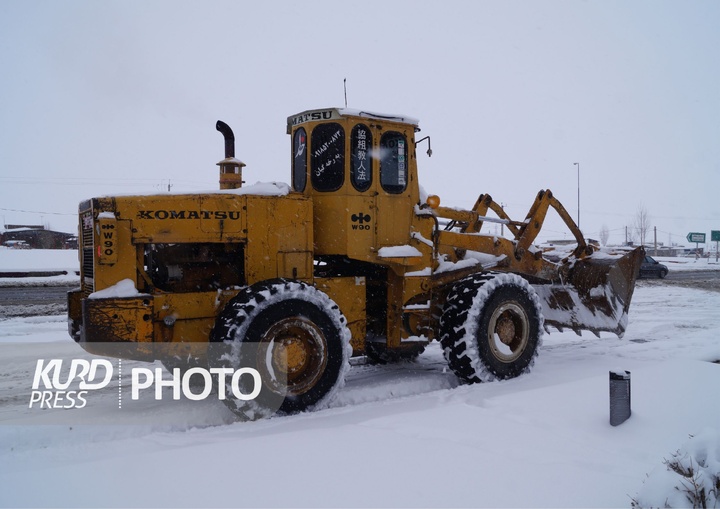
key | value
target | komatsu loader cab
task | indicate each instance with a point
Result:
(360, 170)
(348, 259)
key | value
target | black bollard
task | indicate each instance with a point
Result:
(619, 397)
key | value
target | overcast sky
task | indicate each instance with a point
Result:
(112, 97)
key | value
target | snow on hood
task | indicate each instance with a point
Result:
(257, 189)
(260, 189)
(121, 289)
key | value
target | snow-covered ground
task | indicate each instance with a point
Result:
(403, 435)
(38, 260)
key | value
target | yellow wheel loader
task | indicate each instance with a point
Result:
(349, 259)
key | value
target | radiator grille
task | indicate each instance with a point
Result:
(86, 227)
(88, 252)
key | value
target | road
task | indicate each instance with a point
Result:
(32, 295)
(703, 279)
(33, 300)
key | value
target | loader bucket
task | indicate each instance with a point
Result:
(592, 293)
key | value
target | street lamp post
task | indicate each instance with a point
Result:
(578, 168)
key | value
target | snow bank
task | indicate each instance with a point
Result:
(689, 477)
(46, 260)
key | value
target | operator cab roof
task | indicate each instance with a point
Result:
(338, 113)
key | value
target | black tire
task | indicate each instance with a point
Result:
(491, 327)
(662, 274)
(294, 335)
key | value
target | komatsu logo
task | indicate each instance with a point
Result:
(233, 215)
(312, 116)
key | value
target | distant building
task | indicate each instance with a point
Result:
(670, 251)
(36, 237)
(23, 226)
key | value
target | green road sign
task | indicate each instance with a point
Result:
(715, 235)
(698, 238)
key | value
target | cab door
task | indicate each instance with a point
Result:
(394, 200)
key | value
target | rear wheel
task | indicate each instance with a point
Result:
(491, 327)
(294, 336)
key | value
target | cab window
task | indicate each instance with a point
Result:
(299, 170)
(327, 160)
(393, 162)
(361, 169)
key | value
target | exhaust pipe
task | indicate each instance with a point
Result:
(229, 138)
(230, 168)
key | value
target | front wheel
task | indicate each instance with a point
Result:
(294, 336)
(491, 327)
(662, 274)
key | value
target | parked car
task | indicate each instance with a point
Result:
(17, 244)
(651, 267)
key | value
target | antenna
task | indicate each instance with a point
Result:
(345, 90)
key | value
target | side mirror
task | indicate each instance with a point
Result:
(429, 150)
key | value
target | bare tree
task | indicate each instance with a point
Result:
(641, 224)
(604, 235)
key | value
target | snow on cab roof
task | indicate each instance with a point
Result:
(338, 113)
